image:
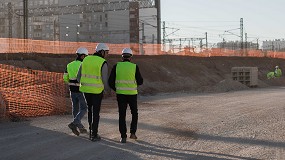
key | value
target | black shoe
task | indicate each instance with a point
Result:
(133, 136)
(95, 138)
(82, 130)
(73, 128)
(123, 140)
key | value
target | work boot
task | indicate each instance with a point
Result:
(73, 128)
(82, 130)
(123, 140)
(133, 136)
(95, 138)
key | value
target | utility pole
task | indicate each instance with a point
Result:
(245, 43)
(164, 35)
(143, 38)
(206, 40)
(241, 34)
(180, 45)
(245, 34)
(10, 17)
(257, 45)
(25, 9)
(157, 5)
(143, 34)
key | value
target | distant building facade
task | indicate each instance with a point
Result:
(236, 45)
(274, 45)
(122, 26)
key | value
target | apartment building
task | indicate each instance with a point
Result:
(130, 25)
(274, 45)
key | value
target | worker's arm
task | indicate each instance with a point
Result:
(105, 78)
(112, 78)
(79, 74)
(139, 78)
(66, 76)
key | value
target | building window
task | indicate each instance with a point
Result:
(106, 24)
(37, 27)
(100, 18)
(2, 21)
(2, 29)
(106, 16)
(37, 35)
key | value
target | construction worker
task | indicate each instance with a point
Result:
(79, 106)
(93, 78)
(275, 74)
(124, 79)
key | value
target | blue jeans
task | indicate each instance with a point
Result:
(79, 107)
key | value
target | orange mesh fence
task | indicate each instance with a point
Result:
(13, 45)
(29, 93)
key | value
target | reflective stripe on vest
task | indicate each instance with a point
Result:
(126, 78)
(72, 70)
(91, 78)
(74, 84)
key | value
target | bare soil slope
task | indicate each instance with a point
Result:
(163, 74)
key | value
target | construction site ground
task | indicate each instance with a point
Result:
(189, 108)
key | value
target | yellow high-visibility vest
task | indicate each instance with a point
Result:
(91, 78)
(126, 78)
(72, 69)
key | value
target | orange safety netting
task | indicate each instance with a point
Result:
(29, 93)
(13, 45)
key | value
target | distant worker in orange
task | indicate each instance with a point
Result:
(93, 78)
(124, 80)
(79, 106)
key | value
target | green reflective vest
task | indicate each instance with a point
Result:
(91, 78)
(126, 78)
(278, 72)
(72, 69)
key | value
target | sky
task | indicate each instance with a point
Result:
(262, 19)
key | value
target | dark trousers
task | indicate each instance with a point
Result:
(94, 106)
(123, 102)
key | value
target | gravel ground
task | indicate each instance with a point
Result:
(246, 124)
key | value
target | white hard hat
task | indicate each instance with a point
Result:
(127, 51)
(276, 67)
(82, 50)
(102, 46)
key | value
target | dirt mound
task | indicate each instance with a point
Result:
(163, 74)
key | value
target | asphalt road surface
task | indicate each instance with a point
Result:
(242, 125)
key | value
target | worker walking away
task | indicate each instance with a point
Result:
(124, 79)
(79, 106)
(93, 78)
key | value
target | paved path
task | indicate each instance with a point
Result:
(235, 125)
